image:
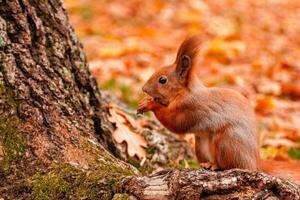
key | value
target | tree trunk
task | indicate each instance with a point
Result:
(44, 70)
(51, 109)
(55, 136)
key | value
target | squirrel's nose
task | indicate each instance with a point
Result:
(146, 89)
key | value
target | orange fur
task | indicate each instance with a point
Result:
(289, 170)
(222, 119)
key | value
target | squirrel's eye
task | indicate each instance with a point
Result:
(162, 79)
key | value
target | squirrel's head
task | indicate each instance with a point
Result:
(166, 83)
(170, 81)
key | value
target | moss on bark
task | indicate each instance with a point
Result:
(69, 182)
(12, 143)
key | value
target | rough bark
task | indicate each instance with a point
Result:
(51, 111)
(44, 68)
(204, 184)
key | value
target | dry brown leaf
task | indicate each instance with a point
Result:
(265, 104)
(267, 86)
(291, 89)
(128, 119)
(135, 142)
(279, 142)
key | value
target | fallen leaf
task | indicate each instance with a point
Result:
(123, 133)
(279, 142)
(267, 86)
(275, 153)
(129, 119)
(265, 104)
(291, 89)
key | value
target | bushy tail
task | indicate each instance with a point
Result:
(285, 169)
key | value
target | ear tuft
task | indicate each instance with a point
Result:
(183, 67)
(185, 61)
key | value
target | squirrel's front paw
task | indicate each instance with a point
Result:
(145, 105)
(209, 165)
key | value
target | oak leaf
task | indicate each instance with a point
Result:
(125, 132)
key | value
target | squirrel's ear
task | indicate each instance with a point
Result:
(183, 67)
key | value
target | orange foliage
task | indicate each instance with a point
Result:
(253, 46)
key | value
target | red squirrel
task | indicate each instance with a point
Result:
(222, 119)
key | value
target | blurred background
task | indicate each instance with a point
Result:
(251, 46)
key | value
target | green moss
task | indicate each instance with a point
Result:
(68, 182)
(65, 181)
(133, 161)
(113, 183)
(104, 161)
(11, 141)
(51, 186)
(186, 163)
(93, 186)
(6, 94)
(62, 181)
(119, 170)
(121, 197)
(150, 150)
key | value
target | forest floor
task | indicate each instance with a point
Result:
(252, 46)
